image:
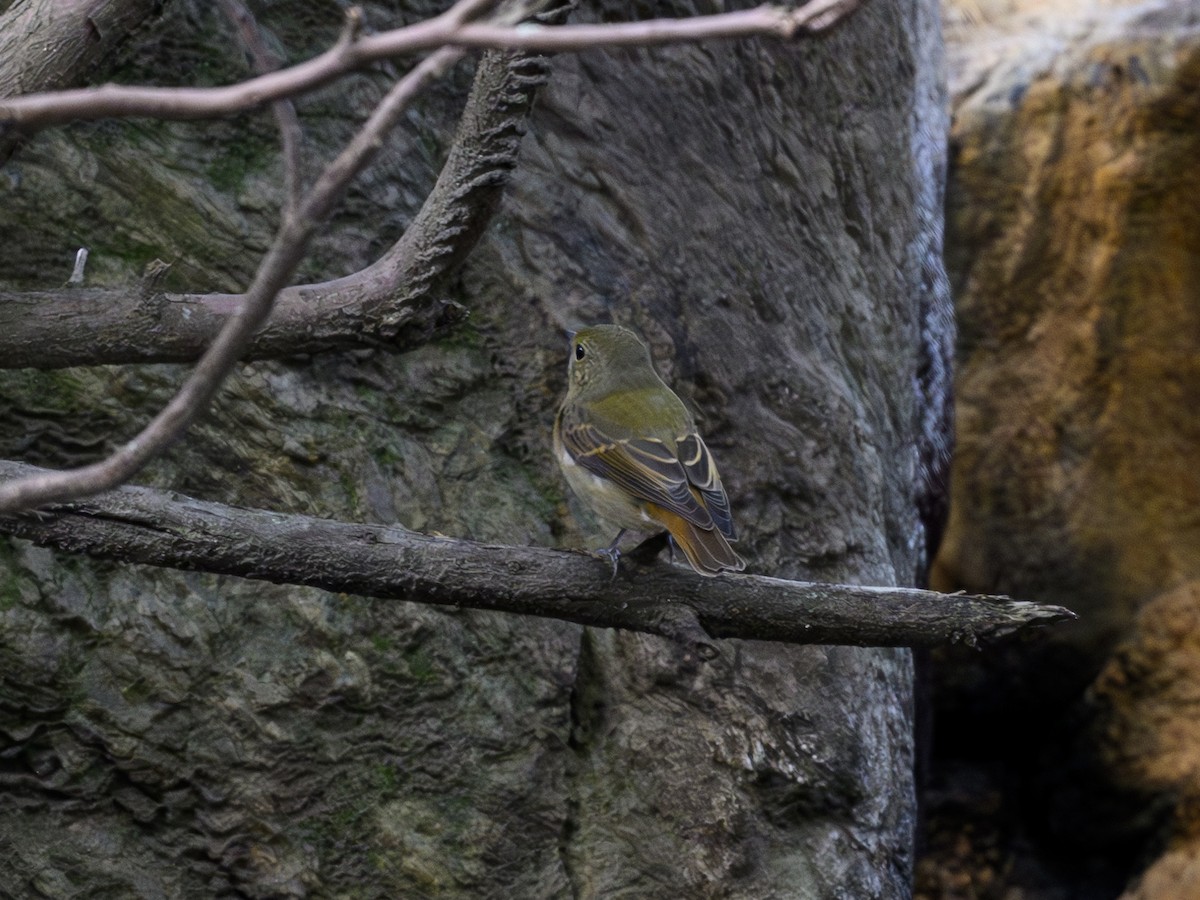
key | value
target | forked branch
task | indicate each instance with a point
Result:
(394, 302)
(276, 269)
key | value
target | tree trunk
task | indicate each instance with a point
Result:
(768, 216)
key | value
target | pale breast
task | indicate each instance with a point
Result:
(604, 498)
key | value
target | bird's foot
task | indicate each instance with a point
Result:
(613, 552)
(613, 555)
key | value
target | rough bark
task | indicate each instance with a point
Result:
(752, 208)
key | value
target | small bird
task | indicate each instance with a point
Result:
(629, 449)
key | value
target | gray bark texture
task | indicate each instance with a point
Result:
(765, 214)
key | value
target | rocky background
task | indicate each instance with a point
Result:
(1070, 767)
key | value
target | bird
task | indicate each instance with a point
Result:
(629, 449)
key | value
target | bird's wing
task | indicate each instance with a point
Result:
(645, 467)
(703, 476)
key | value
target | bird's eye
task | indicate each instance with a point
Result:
(579, 352)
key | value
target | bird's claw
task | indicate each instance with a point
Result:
(613, 552)
(613, 555)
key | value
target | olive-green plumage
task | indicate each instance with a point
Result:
(629, 448)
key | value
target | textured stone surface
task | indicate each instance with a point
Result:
(1075, 259)
(762, 213)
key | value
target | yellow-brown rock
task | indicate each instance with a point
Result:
(1073, 245)
(1147, 730)
(1074, 228)
(1174, 876)
(1149, 696)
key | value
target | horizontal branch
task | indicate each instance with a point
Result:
(355, 50)
(141, 525)
(110, 326)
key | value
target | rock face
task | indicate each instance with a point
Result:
(1074, 249)
(767, 215)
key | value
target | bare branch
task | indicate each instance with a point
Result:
(276, 269)
(262, 60)
(394, 301)
(821, 15)
(136, 524)
(40, 110)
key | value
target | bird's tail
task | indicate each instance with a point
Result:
(706, 549)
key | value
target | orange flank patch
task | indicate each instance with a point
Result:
(705, 548)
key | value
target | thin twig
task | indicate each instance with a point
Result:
(48, 45)
(40, 110)
(461, 13)
(81, 257)
(136, 524)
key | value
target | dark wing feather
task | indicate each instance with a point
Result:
(645, 467)
(702, 473)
